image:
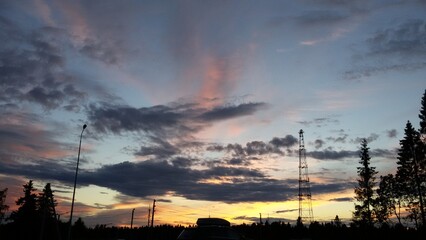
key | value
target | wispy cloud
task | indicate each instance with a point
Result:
(399, 48)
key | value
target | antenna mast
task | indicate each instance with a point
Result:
(305, 201)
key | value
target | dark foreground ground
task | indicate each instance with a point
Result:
(274, 231)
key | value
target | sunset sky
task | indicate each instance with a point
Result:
(198, 104)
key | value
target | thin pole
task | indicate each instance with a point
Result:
(131, 222)
(75, 183)
(152, 216)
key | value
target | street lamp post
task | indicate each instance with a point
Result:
(75, 183)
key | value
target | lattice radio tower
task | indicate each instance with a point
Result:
(305, 201)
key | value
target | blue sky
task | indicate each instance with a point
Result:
(198, 104)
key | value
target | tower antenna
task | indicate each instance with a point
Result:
(305, 200)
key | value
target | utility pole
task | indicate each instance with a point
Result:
(305, 198)
(153, 212)
(131, 222)
(149, 214)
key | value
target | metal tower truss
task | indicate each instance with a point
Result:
(305, 201)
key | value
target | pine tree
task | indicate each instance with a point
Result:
(421, 159)
(363, 215)
(3, 206)
(422, 114)
(46, 203)
(26, 217)
(46, 209)
(27, 210)
(410, 173)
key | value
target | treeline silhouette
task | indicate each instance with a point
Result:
(273, 231)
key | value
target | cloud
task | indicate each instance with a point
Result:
(159, 148)
(287, 141)
(23, 138)
(369, 71)
(341, 139)
(287, 210)
(406, 39)
(152, 178)
(344, 199)
(332, 155)
(107, 51)
(338, 155)
(398, 48)
(228, 112)
(319, 143)
(162, 120)
(392, 133)
(32, 68)
(373, 137)
(274, 146)
(320, 122)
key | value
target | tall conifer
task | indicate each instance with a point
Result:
(364, 192)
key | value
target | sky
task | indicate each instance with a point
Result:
(199, 104)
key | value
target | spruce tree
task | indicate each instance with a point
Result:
(27, 210)
(46, 209)
(410, 173)
(422, 114)
(421, 159)
(46, 203)
(3, 206)
(26, 217)
(364, 192)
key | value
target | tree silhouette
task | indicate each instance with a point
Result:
(421, 159)
(26, 216)
(3, 206)
(46, 210)
(410, 173)
(422, 114)
(388, 198)
(364, 191)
